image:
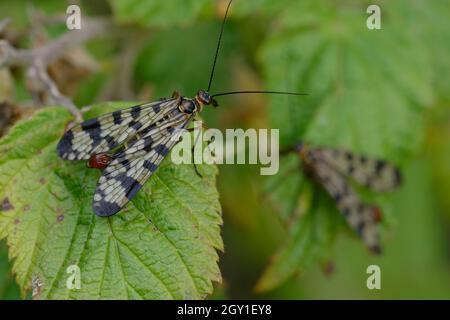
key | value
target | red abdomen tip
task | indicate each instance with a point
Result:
(377, 215)
(99, 161)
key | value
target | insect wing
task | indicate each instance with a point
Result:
(360, 216)
(134, 165)
(374, 174)
(105, 133)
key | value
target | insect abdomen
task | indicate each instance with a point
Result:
(99, 161)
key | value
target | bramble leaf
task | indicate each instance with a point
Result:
(162, 246)
(367, 93)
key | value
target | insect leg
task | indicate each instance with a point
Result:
(176, 95)
(193, 151)
(205, 127)
(193, 159)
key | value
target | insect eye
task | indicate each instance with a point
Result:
(204, 97)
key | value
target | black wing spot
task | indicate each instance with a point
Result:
(93, 128)
(117, 116)
(136, 112)
(360, 228)
(112, 143)
(90, 124)
(398, 177)
(350, 169)
(362, 159)
(126, 164)
(125, 181)
(134, 190)
(349, 156)
(150, 166)
(346, 212)
(379, 166)
(157, 108)
(65, 144)
(136, 125)
(162, 150)
(106, 209)
(337, 197)
(148, 141)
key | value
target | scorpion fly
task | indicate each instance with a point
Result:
(333, 169)
(129, 145)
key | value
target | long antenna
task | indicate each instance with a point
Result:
(259, 92)
(218, 46)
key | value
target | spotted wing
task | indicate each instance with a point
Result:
(375, 174)
(107, 132)
(360, 216)
(132, 166)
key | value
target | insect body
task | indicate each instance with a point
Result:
(129, 145)
(333, 168)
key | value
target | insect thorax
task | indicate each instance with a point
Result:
(189, 106)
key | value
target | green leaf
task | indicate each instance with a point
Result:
(437, 152)
(432, 33)
(367, 89)
(312, 222)
(372, 99)
(155, 13)
(162, 246)
(160, 65)
(8, 288)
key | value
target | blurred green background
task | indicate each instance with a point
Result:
(380, 92)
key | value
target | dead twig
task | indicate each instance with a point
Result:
(35, 61)
(55, 49)
(38, 76)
